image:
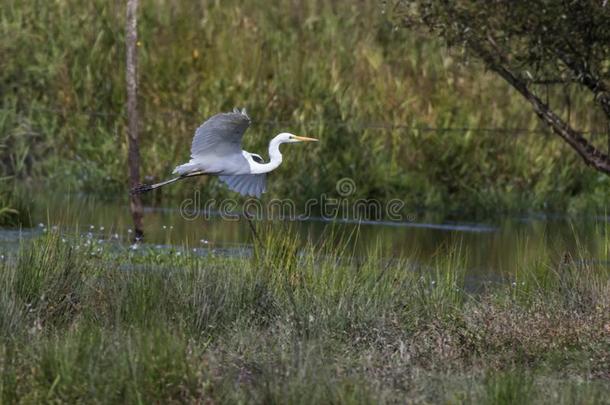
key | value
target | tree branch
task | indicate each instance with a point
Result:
(599, 89)
(591, 155)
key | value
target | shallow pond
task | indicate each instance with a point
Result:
(493, 248)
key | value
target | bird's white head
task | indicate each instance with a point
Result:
(286, 137)
(275, 156)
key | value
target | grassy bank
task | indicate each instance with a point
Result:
(334, 70)
(87, 321)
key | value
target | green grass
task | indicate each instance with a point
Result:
(325, 69)
(14, 205)
(89, 322)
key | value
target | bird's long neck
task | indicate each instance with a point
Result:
(275, 157)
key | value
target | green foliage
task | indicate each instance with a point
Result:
(332, 70)
(539, 38)
(14, 208)
(508, 388)
(532, 45)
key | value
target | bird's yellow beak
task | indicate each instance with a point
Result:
(304, 139)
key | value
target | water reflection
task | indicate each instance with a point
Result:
(497, 247)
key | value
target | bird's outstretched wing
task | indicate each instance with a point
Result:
(252, 185)
(220, 135)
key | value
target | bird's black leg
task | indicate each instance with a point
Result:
(143, 188)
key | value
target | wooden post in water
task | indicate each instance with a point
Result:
(133, 158)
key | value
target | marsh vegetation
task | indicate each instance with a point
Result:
(395, 111)
(509, 310)
(88, 320)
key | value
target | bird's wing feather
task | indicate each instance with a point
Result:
(252, 185)
(220, 135)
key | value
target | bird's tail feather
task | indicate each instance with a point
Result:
(185, 168)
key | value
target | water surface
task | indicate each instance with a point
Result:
(494, 248)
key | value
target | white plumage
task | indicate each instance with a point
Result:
(216, 150)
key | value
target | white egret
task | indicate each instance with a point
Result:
(216, 150)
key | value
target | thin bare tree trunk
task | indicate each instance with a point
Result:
(132, 115)
(589, 153)
(487, 48)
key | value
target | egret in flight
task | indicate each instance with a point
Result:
(216, 150)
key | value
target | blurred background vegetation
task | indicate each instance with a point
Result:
(397, 112)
